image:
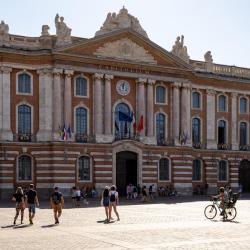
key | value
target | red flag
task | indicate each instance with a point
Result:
(140, 125)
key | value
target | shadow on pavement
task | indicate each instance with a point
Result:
(8, 226)
(22, 226)
(50, 225)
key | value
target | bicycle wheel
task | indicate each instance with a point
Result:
(210, 212)
(230, 213)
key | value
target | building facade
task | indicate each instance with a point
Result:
(118, 109)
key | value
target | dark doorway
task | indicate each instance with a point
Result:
(244, 175)
(126, 170)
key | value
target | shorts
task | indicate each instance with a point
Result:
(78, 198)
(20, 206)
(106, 202)
(57, 208)
(32, 208)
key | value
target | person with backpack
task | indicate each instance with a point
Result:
(57, 202)
(113, 201)
(105, 201)
(19, 198)
(31, 202)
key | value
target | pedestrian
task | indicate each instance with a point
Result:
(31, 202)
(57, 202)
(105, 201)
(144, 194)
(150, 192)
(78, 196)
(113, 201)
(135, 192)
(73, 196)
(19, 198)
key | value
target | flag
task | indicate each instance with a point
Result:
(126, 128)
(69, 131)
(133, 121)
(116, 126)
(140, 125)
(124, 117)
(65, 136)
(60, 131)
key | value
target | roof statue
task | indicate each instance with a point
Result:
(180, 50)
(45, 30)
(121, 21)
(63, 32)
(4, 33)
(208, 61)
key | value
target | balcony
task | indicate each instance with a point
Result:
(224, 146)
(126, 136)
(84, 138)
(244, 147)
(24, 137)
(197, 145)
(164, 142)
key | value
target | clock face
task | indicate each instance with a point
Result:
(123, 87)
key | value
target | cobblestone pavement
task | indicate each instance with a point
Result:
(165, 225)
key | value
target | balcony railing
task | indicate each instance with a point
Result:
(244, 147)
(84, 138)
(126, 136)
(164, 142)
(24, 137)
(224, 146)
(197, 145)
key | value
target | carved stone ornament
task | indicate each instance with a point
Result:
(63, 32)
(121, 21)
(4, 33)
(208, 61)
(180, 50)
(125, 49)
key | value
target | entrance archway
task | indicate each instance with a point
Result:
(244, 175)
(126, 170)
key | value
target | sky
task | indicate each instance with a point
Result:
(221, 26)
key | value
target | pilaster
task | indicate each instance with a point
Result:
(235, 143)
(176, 112)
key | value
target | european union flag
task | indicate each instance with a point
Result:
(124, 117)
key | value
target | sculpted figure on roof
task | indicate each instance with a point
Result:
(179, 49)
(4, 32)
(121, 21)
(63, 32)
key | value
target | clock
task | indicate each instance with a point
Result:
(122, 87)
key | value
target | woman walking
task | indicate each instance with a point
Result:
(19, 198)
(113, 198)
(105, 201)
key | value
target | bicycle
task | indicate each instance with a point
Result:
(228, 213)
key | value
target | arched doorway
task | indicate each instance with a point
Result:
(126, 170)
(244, 175)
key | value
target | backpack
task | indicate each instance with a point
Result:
(112, 197)
(56, 198)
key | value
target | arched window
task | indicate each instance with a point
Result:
(81, 86)
(84, 168)
(123, 120)
(160, 94)
(222, 132)
(196, 99)
(24, 168)
(243, 105)
(164, 169)
(81, 121)
(160, 127)
(196, 170)
(196, 131)
(243, 133)
(222, 103)
(24, 119)
(222, 171)
(24, 83)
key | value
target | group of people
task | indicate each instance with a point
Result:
(29, 199)
(77, 194)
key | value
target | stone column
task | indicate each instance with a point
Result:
(176, 112)
(45, 105)
(211, 140)
(141, 103)
(107, 105)
(5, 127)
(68, 98)
(57, 102)
(98, 107)
(235, 142)
(151, 138)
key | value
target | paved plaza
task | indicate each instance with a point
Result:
(165, 224)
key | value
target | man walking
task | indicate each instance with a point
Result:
(57, 202)
(31, 202)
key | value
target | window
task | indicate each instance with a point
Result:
(123, 120)
(243, 133)
(222, 103)
(164, 169)
(196, 99)
(84, 168)
(196, 130)
(222, 132)
(24, 168)
(243, 105)
(81, 121)
(160, 94)
(222, 171)
(196, 170)
(160, 127)
(24, 119)
(81, 86)
(24, 83)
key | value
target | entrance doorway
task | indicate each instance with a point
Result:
(244, 175)
(126, 170)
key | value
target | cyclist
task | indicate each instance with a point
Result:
(221, 197)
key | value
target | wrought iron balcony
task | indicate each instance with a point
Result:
(164, 142)
(84, 138)
(126, 136)
(24, 137)
(244, 147)
(224, 146)
(197, 145)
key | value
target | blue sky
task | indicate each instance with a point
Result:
(221, 26)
